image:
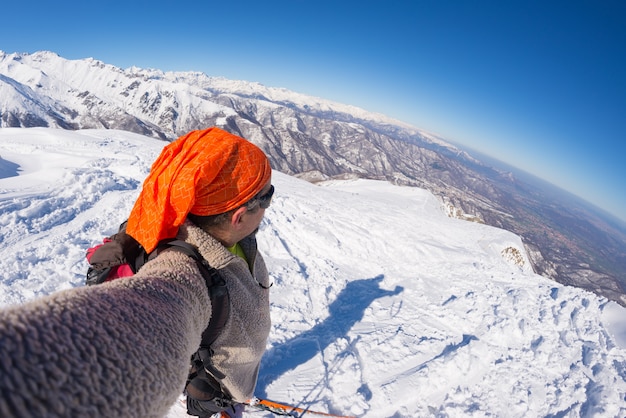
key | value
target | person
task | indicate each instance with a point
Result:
(122, 348)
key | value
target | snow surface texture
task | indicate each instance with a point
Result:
(382, 306)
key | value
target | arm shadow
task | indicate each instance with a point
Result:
(345, 311)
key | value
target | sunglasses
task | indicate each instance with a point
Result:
(266, 199)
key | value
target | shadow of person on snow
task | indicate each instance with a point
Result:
(347, 309)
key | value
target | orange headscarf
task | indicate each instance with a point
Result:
(205, 172)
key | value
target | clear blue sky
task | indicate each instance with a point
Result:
(540, 85)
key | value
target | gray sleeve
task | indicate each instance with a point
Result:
(119, 349)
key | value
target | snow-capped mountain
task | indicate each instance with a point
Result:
(315, 139)
(381, 304)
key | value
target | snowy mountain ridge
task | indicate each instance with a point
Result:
(318, 140)
(382, 306)
(110, 83)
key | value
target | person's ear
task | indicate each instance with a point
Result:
(236, 220)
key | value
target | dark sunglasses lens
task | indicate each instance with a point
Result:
(266, 199)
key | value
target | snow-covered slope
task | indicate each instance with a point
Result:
(316, 139)
(382, 305)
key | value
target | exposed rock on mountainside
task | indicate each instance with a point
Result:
(567, 239)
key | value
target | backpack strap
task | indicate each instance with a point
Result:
(218, 292)
(204, 378)
(122, 250)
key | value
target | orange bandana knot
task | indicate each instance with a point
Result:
(205, 172)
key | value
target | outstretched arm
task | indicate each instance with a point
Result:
(119, 349)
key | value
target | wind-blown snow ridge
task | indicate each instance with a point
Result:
(382, 306)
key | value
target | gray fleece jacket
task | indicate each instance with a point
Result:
(240, 346)
(122, 348)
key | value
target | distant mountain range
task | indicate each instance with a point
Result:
(567, 239)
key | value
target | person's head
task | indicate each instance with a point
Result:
(204, 173)
(230, 227)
